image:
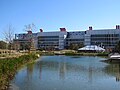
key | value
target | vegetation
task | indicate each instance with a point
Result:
(117, 48)
(3, 45)
(75, 46)
(87, 54)
(103, 54)
(25, 46)
(45, 53)
(71, 53)
(9, 66)
(9, 35)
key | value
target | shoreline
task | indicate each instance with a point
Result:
(9, 67)
(12, 64)
(73, 53)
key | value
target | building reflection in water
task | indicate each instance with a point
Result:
(62, 70)
(90, 74)
(28, 79)
(118, 73)
(62, 67)
(114, 70)
(66, 73)
(30, 70)
(40, 71)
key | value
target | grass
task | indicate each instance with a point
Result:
(9, 66)
(73, 53)
(86, 54)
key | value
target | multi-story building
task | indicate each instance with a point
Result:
(51, 40)
(22, 41)
(107, 38)
(75, 39)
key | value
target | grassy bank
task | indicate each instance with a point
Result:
(86, 54)
(72, 53)
(9, 66)
(45, 53)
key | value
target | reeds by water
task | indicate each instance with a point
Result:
(9, 66)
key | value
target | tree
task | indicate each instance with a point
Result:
(30, 28)
(75, 46)
(117, 47)
(9, 35)
(3, 45)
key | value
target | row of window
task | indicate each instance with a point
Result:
(48, 45)
(74, 39)
(103, 43)
(105, 35)
(21, 40)
(79, 43)
(104, 39)
(49, 40)
(48, 37)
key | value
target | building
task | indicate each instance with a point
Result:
(51, 40)
(23, 41)
(75, 39)
(106, 38)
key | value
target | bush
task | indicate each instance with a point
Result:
(9, 66)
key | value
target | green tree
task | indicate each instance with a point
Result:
(75, 46)
(3, 45)
(117, 47)
(25, 46)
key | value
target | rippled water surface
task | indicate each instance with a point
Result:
(68, 73)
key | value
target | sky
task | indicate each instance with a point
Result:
(50, 15)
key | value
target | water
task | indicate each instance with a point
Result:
(68, 73)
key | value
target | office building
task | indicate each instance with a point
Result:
(63, 39)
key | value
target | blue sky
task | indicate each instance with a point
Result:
(50, 15)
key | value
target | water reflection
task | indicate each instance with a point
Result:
(113, 69)
(62, 70)
(40, 71)
(68, 73)
(90, 74)
(28, 78)
(30, 70)
(64, 67)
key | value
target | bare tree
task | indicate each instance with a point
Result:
(9, 35)
(30, 27)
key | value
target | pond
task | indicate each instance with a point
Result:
(68, 73)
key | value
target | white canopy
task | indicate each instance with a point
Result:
(91, 48)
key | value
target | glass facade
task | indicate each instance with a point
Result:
(106, 40)
(46, 42)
